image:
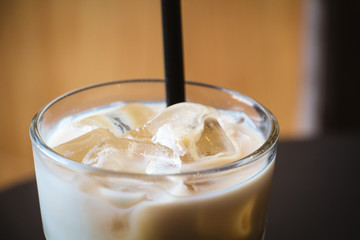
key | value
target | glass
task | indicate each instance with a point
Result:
(83, 202)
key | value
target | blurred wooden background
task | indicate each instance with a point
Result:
(48, 47)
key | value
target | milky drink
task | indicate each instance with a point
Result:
(142, 171)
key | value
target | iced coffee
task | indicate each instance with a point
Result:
(141, 170)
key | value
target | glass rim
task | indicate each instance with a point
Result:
(267, 146)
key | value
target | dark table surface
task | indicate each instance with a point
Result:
(315, 194)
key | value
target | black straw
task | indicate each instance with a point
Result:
(173, 53)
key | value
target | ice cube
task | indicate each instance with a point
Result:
(96, 121)
(135, 114)
(122, 154)
(176, 127)
(119, 121)
(243, 223)
(122, 198)
(77, 148)
(213, 140)
(189, 129)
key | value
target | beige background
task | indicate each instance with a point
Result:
(50, 47)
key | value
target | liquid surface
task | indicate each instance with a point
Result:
(148, 138)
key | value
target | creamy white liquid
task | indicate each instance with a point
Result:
(223, 205)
